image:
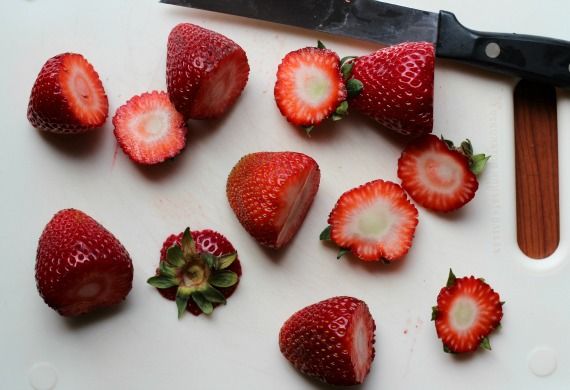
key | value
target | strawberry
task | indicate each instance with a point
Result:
(332, 340)
(80, 265)
(271, 193)
(67, 96)
(397, 87)
(310, 87)
(467, 311)
(205, 71)
(439, 176)
(149, 129)
(199, 270)
(375, 221)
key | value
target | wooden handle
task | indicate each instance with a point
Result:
(536, 158)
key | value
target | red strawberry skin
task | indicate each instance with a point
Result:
(398, 87)
(271, 193)
(205, 71)
(435, 176)
(490, 313)
(206, 241)
(332, 340)
(80, 265)
(68, 96)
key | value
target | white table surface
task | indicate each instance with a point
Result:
(140, 344)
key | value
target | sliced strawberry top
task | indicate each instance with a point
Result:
(436, 177)
(149, 129)
(206, 241)
(467, 311)
(68, 96)
(375, 221)
(309, 86)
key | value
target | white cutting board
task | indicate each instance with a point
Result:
(141, 345)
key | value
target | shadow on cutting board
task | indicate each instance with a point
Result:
(85, 321)
(76, 145)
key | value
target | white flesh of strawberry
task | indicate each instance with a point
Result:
(312, 86)
(297, 197)
(439, 173)
(361, 344)
(464, 313)
(375, 222)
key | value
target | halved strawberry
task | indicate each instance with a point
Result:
(310, 86)
(149, 129)
(80, 265)
(199, 270)
(397, 87)
(271, 193)
(439, 176)
(67, 96)
(467, 311)
(205, 71)
(332, 340)
(375, 221)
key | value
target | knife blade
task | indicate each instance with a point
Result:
(529, 57)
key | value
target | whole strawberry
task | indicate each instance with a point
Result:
(80, 265)
(199, 270)
(205, 71)
(332, 340)
(67, 96)
(271, 193)
(467, 311)
(397, 87)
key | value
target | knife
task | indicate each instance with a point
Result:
(534, 58)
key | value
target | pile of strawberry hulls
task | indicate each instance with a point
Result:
(81, 266)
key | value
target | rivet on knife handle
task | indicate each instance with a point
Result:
(529, 57)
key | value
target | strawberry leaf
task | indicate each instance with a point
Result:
(182, 296)
(354, 87)
(446, 349)
(223, 278)
(225, 261)
(175, 256)
(204, 305)
(451, 279)
(478, 163)
(326, 234)
(346, 69)
(188, 244)
(342, 252)
(162, 281)
(486, 344)
(209, 259)
(166, 269)
(308, 129)
(320, 45)
(213, 295)
(434, 312)
(467, 148)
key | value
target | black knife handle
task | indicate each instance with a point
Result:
(534, 58)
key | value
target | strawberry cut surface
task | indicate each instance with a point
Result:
(271, 193)
(309, 86)
(332, 340)
(436, 177)
(149, 129)
(81, 266)
(206, 72)
(375, 221)
(467, 311)
(68, 96)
